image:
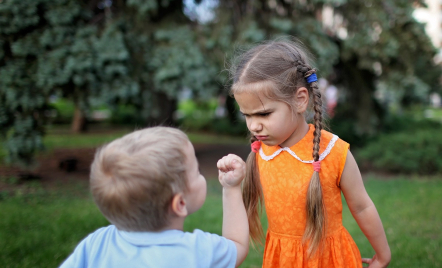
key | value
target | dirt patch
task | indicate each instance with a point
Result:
(48, 171)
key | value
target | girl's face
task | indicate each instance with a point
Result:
(272, 122)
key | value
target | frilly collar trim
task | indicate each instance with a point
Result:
(270, 152)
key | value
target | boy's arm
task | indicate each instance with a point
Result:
(235, 223)
(364, 212)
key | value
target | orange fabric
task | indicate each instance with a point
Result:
(285, 181)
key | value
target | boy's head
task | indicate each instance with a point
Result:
(136, 179)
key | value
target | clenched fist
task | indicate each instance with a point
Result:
(232, 170)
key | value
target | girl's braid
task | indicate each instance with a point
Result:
(253, 196)
(306, 70)
(316, 218)
(317, 106)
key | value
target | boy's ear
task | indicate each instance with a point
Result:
(302, 99)
(179, 205)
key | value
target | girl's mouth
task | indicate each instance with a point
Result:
(261, 138)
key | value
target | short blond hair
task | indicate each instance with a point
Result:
(134, 178)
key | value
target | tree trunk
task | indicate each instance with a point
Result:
(360, 101)
(231, 110)
(164, 110)
(78, 121)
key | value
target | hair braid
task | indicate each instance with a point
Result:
(252, 197)
(316, 218)
(317, 107)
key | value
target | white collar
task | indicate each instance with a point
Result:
(287, 149)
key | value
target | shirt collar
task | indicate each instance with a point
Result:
(166, 237)
(307, 139)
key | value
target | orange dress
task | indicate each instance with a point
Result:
(285, 180)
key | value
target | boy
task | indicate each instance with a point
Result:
(146, 183)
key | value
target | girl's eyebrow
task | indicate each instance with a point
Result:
(258, 112)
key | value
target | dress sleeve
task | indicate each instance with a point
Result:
(223, 251)
(344, 147)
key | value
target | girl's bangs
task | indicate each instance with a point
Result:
(266, 88)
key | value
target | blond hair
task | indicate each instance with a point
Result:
(134, 178)
(277, 70)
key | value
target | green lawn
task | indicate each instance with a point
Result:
(41, 228)
(60, 137)
(68, 140)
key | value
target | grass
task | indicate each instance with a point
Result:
(61, 137)
(42, 228)
(64, 139)
(411, 215)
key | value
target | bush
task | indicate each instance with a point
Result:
(126, 115)
(223, 126)
(64, 111)
(347, 128)
(196, 115)
(200, 116)
(406, 152)
(395, 124)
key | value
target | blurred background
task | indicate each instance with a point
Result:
(75, 74)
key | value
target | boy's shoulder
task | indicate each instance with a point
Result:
(170, 237)
(204, 237)
(101, 233)
(108, 244)
(200, 248)
(173, 238)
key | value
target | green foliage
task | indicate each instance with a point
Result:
(414, 150)
(196, 115)
(309, 31)
(40, 42)
(362, 46)
(385, 44)
(143, 53)
(64, 111)
(74, 50)
(177, 56)
(200, 116)
(224, 126)
(126, 115)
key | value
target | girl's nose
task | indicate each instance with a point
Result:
(255, 126)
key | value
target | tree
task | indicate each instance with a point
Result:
(137, 52)
(164, 57)
(43, 50)
(370, 45)
(387, 50)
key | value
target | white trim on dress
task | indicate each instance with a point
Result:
(287, 149)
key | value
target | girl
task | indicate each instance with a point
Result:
(298, 168)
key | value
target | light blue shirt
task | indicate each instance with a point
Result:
(108, 247)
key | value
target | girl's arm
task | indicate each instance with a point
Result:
(364, 212)
(232, 171)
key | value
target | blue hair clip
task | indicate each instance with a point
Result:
(312, 78)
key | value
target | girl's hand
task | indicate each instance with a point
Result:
(374, 262)
(232, 170)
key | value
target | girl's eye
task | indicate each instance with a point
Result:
(264, 114)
